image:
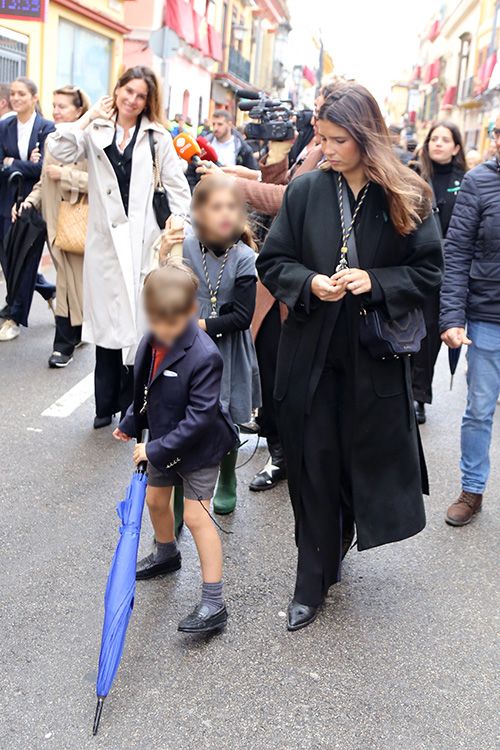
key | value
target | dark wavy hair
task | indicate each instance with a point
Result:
(353, 107)
(425, 161)
(153, 109)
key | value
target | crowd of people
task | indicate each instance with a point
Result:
(322, 334)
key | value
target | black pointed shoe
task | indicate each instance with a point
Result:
(148, 568)
(420, 412)
(100, 422)
(203, 620)
(300, 615)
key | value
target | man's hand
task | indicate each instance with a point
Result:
(325, 289)
(455, 337)
(238, 170)
(140, 453)
(354, 280)
(54, 171)
(120, 435)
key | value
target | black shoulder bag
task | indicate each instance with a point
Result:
(161, 206)
(382, 337)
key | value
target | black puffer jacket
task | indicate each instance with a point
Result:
(471, 287)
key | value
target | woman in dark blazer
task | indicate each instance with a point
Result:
(22, 142)
(442, 164)
(346, 420)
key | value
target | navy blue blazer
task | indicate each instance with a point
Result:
(189, 429)
(30, 171)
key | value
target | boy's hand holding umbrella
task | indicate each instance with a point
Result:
(140, 454)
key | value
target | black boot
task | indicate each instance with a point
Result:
(420, 412)
(274, 471)
(300, 615)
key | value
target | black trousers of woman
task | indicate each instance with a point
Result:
(113, 382)
(266, 347)
(326, 489)
(66, 337)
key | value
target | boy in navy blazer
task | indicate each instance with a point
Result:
(177, 380)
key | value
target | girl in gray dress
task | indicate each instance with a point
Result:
(221, 253)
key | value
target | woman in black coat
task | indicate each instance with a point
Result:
(346, 420)
(442, 164)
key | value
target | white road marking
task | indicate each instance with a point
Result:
(72, 399)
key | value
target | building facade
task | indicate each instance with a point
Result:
(79, 43)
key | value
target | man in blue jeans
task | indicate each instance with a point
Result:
(470, 299)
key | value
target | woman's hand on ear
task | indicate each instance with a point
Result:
(102, 108)
(326, 290)
(355, 280)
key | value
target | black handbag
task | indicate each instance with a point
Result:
(381, 336)
(161, 205)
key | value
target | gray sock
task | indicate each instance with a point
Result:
(164, 551)
(211, 596)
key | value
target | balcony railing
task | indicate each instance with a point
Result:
(466, 89)
(239, 65)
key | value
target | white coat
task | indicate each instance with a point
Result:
(119, 249)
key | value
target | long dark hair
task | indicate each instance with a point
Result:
(425, 161)
(353, 108)
(153, 109)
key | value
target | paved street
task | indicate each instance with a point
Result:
(402, 658)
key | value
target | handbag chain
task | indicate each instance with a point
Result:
(346, 232)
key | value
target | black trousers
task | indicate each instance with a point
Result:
(326, 504)
(113, 382)
(423, 363)
(266, 347)
(66, 336)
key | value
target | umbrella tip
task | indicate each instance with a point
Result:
(98, 712)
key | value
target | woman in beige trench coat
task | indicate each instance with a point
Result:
(115, 138)
(63, 182)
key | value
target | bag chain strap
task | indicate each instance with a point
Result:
(346, 233)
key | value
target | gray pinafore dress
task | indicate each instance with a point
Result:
(240, 389)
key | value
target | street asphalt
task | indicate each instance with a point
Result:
(402, 657)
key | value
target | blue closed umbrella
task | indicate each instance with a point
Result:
(120, 588)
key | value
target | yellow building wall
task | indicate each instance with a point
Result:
(43, 43)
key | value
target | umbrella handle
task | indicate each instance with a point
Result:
(141, 468)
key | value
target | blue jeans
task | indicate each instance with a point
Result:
(483, 381)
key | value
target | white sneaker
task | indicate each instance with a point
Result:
(9, 331)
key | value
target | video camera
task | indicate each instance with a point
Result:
(274, 116)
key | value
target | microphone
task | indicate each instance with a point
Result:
(247, 94)
(187, 148)
(208, 153)
(246, 106)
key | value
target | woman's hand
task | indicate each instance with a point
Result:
(238, 170)
(140, 453)
(35, 155)
(455, 337)
(8, 160)
(355, 280)
(14, 213)
(120, 435)
(325, 289)
(209, 169)
(170, 236)
(54, 171)
(102, 108)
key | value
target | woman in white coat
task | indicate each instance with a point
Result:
(122, 227)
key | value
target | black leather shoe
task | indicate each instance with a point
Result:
(420, 412)
(147, 568)
(202, 620)
(268, 478)
(102, 422)
(300, 615)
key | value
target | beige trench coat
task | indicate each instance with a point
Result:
(119, 249)
(46, 197)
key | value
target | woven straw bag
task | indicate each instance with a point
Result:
(72, 225)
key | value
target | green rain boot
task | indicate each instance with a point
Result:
(225, 494)
(178, 510)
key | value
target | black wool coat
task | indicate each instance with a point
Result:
(388, 472)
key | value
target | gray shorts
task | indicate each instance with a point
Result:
(198, 485)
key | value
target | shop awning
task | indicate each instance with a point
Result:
(179, 17)
(489, 67)
(201, 41)
(433, 31)
(449, 97)
(214, 43)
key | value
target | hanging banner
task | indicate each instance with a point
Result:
(23, 10)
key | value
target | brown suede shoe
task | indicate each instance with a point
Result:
(464, 508)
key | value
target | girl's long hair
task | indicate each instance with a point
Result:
(353, 108)
(153, 109)
(425, 161)
(208, 186)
